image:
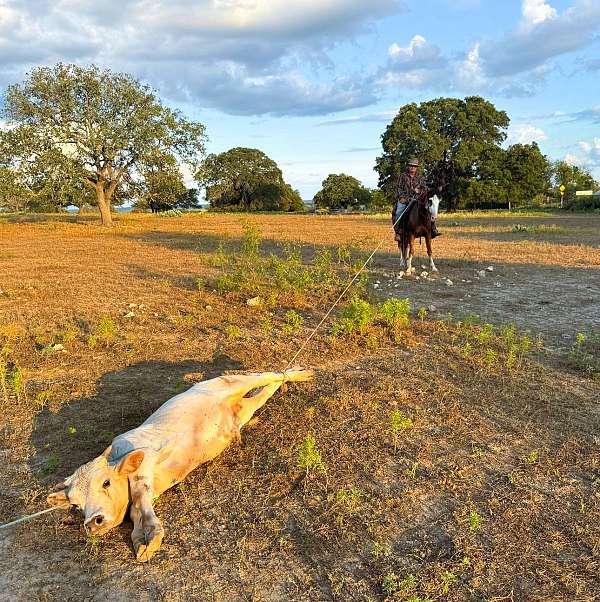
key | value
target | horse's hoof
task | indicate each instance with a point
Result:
(434, 270)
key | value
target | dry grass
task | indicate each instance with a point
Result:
(487, 489)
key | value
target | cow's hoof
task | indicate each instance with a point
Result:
(145, 551)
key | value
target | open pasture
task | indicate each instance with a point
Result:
(454, 458)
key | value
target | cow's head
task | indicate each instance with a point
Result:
(100, 490)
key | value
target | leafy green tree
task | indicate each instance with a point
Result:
(91, 126)
(161, 182)
(448, 135)
(572, 177)
(246, 179)
(340, 191)
(489, 186)
(380, 201)
(14, 195)
(527, 170)
(188, 199)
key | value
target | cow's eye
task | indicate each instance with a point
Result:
(106, 484)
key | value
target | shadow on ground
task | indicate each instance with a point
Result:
(84, 427)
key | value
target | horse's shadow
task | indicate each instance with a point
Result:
(123, 399)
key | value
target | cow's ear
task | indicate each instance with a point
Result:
(131, 462)
(58, 498)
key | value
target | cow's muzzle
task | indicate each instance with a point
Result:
(95, 525)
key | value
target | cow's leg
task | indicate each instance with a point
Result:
(430, 253)
(245, 408)
(147, 532)
(237, 386)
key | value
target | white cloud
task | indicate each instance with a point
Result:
(241, 56)
(537, 11)
(418, 65)
(572, 160)
(542, 36)
(526, 134)
(591, 153)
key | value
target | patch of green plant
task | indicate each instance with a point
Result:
(345, 503)
(251, 241)
(233, 331)
(390, 584)
(584, 354)
(344, 254)
(42, 399)
(475, 520)
(49, 466)
(485, 334)
(227, 283)
(106, 329)
(422, 313)
(490, 357)
(17, 382)
(293, 322)
(394, 313)
(324, 274)
(309, 457)
(265, 325)
(448, 579)
(288, 272)
(358, 315)
(398, 424)
(199, 282)
(531, 458)
(381, 550)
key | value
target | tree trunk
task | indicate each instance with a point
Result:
(103, 205)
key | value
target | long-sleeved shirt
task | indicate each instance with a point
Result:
(408, 188)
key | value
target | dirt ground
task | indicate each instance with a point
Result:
(491, 493)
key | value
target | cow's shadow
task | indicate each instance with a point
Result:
(123, 399)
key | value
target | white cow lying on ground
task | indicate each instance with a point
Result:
(189, 429)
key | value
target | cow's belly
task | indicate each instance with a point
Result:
(201, 444)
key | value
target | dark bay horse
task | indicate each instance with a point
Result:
(416, 223)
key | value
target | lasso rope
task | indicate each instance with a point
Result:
(364, 265)
(30, 516)
(300, 350)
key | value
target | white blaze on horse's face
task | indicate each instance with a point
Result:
(100, 491)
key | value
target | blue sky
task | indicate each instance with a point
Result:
(314, 84)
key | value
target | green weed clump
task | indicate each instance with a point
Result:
(309, 457)
(356, 317)
(398, 424)
(344, 503)
(394, 313)
(293, 322)
(584, 354)
(475, 520)
(105, 331)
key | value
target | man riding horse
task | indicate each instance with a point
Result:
(411, 187)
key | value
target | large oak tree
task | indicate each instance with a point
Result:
(448, 135)
(93, 127)
(341, 191)
(246, 179)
